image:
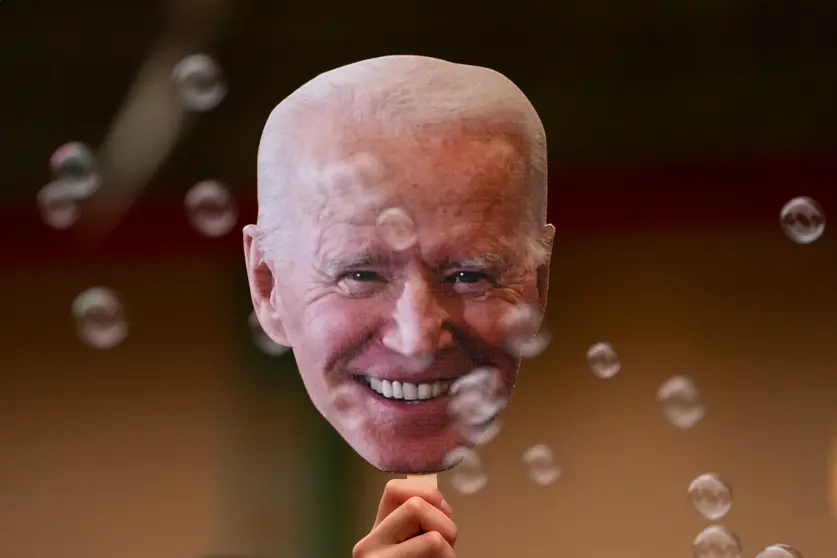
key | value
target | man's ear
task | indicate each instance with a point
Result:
(547, 240)
(266, 302)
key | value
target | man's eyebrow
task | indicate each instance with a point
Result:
(494, 262)
(337, 264)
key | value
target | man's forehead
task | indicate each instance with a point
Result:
(438, 242)
(444, 173)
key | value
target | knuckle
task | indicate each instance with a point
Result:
(415, 504)
(435, 541)
(360, 549)
(392, 486)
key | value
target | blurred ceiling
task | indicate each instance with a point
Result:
(613, 80)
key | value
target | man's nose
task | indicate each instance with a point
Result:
(417, 327)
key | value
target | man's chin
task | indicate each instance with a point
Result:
(420, 457)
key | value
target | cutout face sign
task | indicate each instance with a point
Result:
(403, 255)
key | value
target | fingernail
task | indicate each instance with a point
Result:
(446, 507)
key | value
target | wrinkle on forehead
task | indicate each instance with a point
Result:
(345, 188)
(344, 178)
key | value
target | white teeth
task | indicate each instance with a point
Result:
(408, 391)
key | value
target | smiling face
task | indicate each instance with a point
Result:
(407, 258)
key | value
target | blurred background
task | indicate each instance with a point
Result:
(142, 414)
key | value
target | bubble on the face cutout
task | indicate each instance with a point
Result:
(100, 318)
(779, 551)
(540, 464)
(75, 165)
(348, 407)
(710, 496)
(199, 83)
(59, 204)
(263, 340)
(480, 435)
(396, 228)
(524, 335)
(477, 397)
(680, 402)
(604, 362)
(803, 220)
(717, 542)
(210, 208)
(468, 475)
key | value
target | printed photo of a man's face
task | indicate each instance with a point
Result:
(402, 251)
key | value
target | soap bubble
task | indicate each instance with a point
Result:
(477, 397)
(396, 229)
(524, 335)
(199, 83)
(680, 402)
(468, 475)
(100, 318)
(59, 204)
(262, 340)
(540, 464)
(74, 164)
(779, 551)
(710, 496)
(604, 362)
(210, 208)
(480, 435)
(348, 406)
(717, 542)
(803, 220)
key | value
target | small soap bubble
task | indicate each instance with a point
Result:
(348, 407)
(100, 318)
(263, 340)
(803, 220)
(477, 397)
(779, 551)
(680, 402)
(480, 435)
(540, 463)
(396, 229)
(59, 204)
(717, 542)
(468, 475)
(210, 208)
(604, 362)
(710, 496)
(524, 335)
(74, 164)
(199, 83)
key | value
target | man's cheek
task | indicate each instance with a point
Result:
(342, 321)
(486, 320)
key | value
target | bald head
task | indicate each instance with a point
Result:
(390, 98)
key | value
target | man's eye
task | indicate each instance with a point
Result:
(467, 277)
(361, 283)
(362, 276)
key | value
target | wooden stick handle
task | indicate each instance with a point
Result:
(431, 479)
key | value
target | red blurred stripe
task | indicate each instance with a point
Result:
(683, 195)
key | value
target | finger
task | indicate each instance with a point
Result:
(414, 517)
(398, 491)
(428, 545)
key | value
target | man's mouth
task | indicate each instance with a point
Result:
(407, 391)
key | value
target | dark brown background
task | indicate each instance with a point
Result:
(676, 134)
